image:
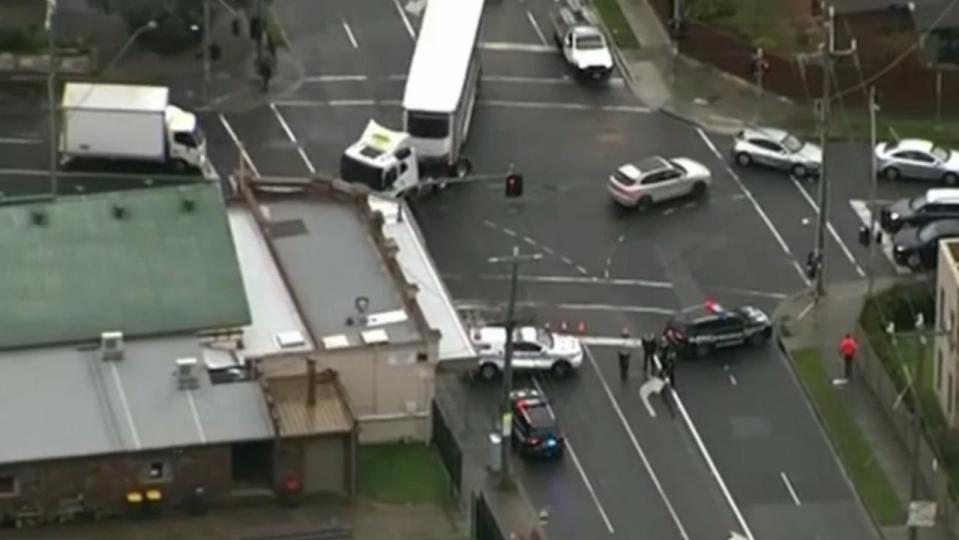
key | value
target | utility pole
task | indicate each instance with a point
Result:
(874, 185)
(206, 50)
(828, 53)
(506, 418)
(52, 93)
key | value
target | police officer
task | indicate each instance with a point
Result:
(668, 372)
(624, 354)
(649, 352)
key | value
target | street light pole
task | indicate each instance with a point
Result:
(506, 418)
(149, 26)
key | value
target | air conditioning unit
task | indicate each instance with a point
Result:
(111, 346)
(186, 374)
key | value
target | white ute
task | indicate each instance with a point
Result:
(534, 349)
(382, 159)
(129, 122)
(581, 41)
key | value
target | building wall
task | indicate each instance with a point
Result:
(104, 481)
(324, 463)
(946, 355)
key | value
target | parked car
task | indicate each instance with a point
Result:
(534, 349)
(936, 204)
(917, 159)
(536, 432)
(698, 332)
(917, 248)
(777, 149)
(657, 179)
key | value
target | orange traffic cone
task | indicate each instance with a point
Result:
(581, 328)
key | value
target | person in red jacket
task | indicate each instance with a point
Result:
(848, 347)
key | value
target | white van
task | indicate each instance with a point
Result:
(534, 348)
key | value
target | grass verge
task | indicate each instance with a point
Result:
(857, 457)
(615, 21)
(765, 23)
(402, 474)
(944, 131)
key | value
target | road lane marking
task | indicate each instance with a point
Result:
(516, 47)
(335, 78)
(289, 133)
(637, 446)
(236, 140)
(752, 200)
(705, 453)
(406, 20)
(509, 232)
(529, 240)
(577, 463)
(349, 34)
(19, 140)
(805, 310)
(861, 208)
(831, 229)
(483, 305)
(572, 280)
(732, 379)
(539, 33)
(789, 487)
(581, 270)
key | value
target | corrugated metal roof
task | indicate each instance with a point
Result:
(329, 413)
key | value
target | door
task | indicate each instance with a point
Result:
(730, 331)
(908, 165)
(655, 186)
(927, 166)
(675, 184)
(527, 355)
(768, 153)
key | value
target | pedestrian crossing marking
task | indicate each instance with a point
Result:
(861, 208)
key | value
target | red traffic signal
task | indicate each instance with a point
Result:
(514, 185)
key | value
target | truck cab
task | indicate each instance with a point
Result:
(186, 141)
(382, 159)
(581, 41)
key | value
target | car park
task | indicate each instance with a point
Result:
(535, 431)
(778, 149)
(917, 248)
(657, 179)
(917, 159)
(699, 331)
(935, 204)
(534, 349)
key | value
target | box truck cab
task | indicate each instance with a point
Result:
(383, 159)
(129, 122)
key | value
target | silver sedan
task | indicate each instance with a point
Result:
(918, 159)
(778, 149)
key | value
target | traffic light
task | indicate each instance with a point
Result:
(514, 185)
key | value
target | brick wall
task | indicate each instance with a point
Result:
(105, 480)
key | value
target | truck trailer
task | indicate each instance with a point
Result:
(129, 122)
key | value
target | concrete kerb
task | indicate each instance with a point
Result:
(782, 311)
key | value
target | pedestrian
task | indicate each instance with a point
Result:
(649, 353)
(265, 70)
(668, 368)
(848, 347)
(624, 354)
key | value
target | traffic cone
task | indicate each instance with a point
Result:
(581, 329)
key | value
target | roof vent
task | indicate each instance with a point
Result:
(38, 217)
(186, 374)
(374, 337)
(111, 346)
(187, 205)
(290, 339)
(119, 211)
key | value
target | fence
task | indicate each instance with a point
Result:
(908, 87)
(485, 526)
(448, 448)
(903, 420)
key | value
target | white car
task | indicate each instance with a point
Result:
(778, 149)
(918, 159)
(657, 179)
(534, 348)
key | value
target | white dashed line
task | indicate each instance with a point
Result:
(509, 232)
(566, 260)
(236, 140)
(539, 33)
(582, 270)
(529, 240)
(335, 78)
(831, 229)
(17, 140)
(289, 133)
(789, 488)
(625, 108)
(406, 20)
(516, 47)
(489, 224)
(549, 250)
(349, 34)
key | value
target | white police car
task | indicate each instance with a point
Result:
(534, 349)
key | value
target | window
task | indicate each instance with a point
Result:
(428, 125)
(389, 178)
(523, 346)
(186, 139)
(939, 370)
(923, 157)
(9, 487)
(157, 471)
(654, 178)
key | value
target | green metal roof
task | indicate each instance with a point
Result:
(80, 270)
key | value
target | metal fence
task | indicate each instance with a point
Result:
(485, 526)
(448, 448)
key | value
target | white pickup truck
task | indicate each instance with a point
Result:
(581, 41)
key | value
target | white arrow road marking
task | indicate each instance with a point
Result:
(579, 466)
(652, 386)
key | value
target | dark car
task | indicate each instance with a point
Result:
(535, 431)
(936, 204)
(918, 247)
(698, 332)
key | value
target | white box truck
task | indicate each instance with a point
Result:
(129, 122)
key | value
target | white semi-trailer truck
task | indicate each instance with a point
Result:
(129, 122)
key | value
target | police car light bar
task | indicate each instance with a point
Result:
(713, 307)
